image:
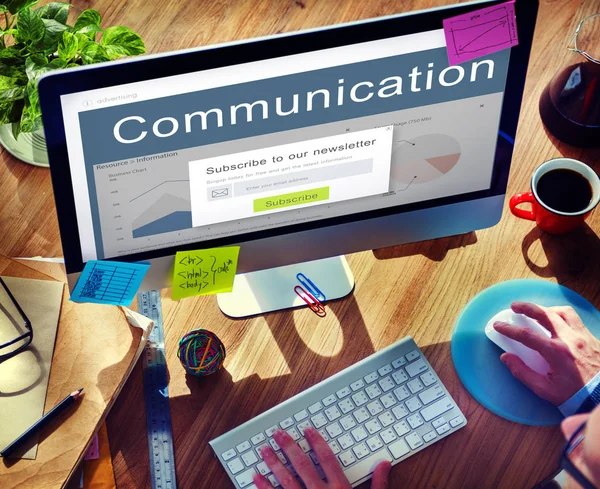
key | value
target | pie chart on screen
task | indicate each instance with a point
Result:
(422, 159)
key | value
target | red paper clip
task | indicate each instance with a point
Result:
(315, 305)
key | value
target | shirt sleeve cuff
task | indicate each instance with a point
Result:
(572, 405)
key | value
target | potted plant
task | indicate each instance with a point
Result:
(37, 41)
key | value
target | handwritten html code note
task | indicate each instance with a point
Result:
(204, 272)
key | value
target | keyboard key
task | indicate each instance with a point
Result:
(428, 378)
(416, 368)
(314, 408)
(274, 481)
(259, 449)
(345, 441)
(361, 415)
(355, 386)
(399, 362)
(401, 428)
(302, 426)
(386, 369)
(374, 443)
(414, 440)
(301, 415)
(334, 430)
(366, 466)
(324, 435)
(228, 455)
(402, 393)
(454, 422)
(388, 436)
(415, 421)
(286, 423)
(413, 404)
(263, 468)
(343, 392)
(242, 447)
(361, 450)
(386, 419)
(386, 384)
(271, 431)
(360, 398)
(314, 458)
(335, 448)
(400, 376)
(437, 408)
(245, 478)
(359, 434)
(347, 422)
(431, 394)
(373, 391)
(415, 386)
(399, 449)
(346, 406)
(347, 458)
(372, 377)
(274, 445)
(400, 411)
(293, 432)
(329, 400)
(319, 420)
(304, 445)
(412, 355)
(259, 438)
(333, 413)
(281, 458)
(427, 437)
(235, 466)
(373, 426)
(249, 459)
(388, 400)
(443, 429)
(438, 422)
(374, 408)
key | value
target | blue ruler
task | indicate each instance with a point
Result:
(156, 396)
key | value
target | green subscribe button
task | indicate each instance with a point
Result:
(289, 200)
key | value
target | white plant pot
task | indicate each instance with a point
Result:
(29, 147)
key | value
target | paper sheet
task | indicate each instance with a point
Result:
(109, 282)
(203, 272)
(24, 378)
(480, 32)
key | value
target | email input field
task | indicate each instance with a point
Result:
(305, 177)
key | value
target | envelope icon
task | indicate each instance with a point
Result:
(220, 192)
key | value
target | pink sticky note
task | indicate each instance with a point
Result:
(93, 452)
(481, 32)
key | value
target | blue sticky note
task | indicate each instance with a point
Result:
(109, 282)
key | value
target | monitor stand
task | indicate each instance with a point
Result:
(273, 289)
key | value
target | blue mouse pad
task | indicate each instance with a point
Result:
(477, 359)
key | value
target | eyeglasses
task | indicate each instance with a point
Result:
(10, 308)
(568, 465)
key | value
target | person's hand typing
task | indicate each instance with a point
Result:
(306, 469)
(572, 352)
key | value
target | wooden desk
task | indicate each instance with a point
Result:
(416, 289)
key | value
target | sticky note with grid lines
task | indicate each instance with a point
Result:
(109, 282)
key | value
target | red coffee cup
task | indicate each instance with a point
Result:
(551, 220)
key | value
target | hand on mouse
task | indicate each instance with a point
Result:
(572, 352)
(305, 468)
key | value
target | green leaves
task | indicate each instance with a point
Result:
(67, 47)
(35, 42)
(119, 41)
(30, 26)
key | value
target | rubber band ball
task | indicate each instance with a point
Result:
(201, 352)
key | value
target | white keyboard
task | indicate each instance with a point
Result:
(386, 407)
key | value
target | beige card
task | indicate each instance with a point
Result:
(24, 377)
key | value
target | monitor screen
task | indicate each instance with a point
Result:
(220, 154)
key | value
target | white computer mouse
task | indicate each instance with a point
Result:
(530, 357)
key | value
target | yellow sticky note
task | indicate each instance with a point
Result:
(203, 272)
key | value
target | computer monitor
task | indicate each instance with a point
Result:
(297, 146)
